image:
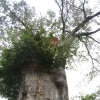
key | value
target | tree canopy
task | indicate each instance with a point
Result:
(26, 38)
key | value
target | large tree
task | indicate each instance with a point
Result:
(35, 50)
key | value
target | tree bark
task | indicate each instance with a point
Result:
(43, 85)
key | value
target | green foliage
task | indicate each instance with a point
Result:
(17, 57)
(93, 96)
(89, 97)
(86, 97)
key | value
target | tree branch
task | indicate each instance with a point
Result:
(74, 6)
(18, 18)
(94, 39)
(13, 13)
(58, 5)
(84, 12)
(62, 16)
(67, 31)
(86, 33)
(92, 59)
(72, 35)
(83, 23)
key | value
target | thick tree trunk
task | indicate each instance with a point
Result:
(43, 86)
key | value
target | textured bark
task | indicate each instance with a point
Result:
(43, 86)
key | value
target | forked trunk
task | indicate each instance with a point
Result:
(43, 86)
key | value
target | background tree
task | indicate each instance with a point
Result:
(92, 96)
(86, 97)
(29, 55)
(89, 97)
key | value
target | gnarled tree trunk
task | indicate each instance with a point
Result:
(43, 85)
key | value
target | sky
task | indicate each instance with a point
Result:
(74, 77)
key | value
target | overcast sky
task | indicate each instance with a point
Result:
(74, 77)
